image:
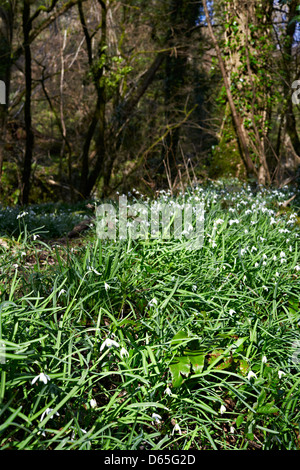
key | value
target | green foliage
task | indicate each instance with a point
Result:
(249, 48)
(145, 344)
(110, 69)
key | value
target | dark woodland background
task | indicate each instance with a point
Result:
(110, 96)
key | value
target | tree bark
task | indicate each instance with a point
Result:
(27, 106)
(6, 36)
(89, 177)
(240, 132)
(291, 127)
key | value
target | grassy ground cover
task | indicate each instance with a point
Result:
(143, 344)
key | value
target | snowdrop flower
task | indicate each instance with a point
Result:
(274, 258)
(234, 221)
(219, 221)
(232, 430)
(194, 288)
(124, 352)
(253, 249)
(47, 411)
(73, 434)
(41, 377)
(153, 302)
(297, 267)
(22, 215)
(106, 286)
(168, 391)
(176, 428)
(35, 236)
(93, 403)
(264, 360)
(94, 271)
(243, 251)
(280, 373)
(251, 374)
(62, 291)
(277, 274)
(282, 254)
(157, 418)
(256, 264)
(222, 409)
(231, 312)
(109, 343)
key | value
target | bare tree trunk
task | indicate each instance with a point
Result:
(89, 177)
(7, 12)
(259, 140)
(288, 60)
(240, 131)
(27, 107)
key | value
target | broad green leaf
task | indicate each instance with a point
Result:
(197, 361)
(179, 337)
(179, 366)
